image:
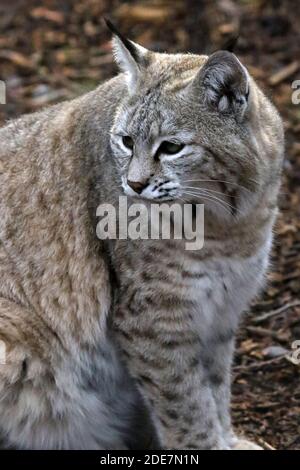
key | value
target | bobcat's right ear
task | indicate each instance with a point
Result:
(130, 57)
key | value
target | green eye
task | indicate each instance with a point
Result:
(170, 148)
(128, 142)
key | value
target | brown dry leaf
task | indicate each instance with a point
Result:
(50, 15)
(248, 345)
(17, 58)
(153, 13)
(227, 28)
(284, 73)
(286, 229)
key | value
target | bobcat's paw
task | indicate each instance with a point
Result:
(243, 444)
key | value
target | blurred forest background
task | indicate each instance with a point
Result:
(57, 49)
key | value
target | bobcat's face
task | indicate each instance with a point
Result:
(186, 133)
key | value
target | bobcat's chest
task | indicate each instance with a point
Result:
(222, 288)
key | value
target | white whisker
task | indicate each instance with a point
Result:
(217, 181)
(224, 203)
(210, 198)
(204, 189)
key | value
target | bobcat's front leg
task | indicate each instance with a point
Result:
(218, 359)
(217, 356)
(163, 352)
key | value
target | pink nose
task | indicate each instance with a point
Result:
(137, 186)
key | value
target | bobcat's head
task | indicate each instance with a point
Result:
(194, 129)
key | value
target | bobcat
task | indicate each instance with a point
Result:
(128, 344)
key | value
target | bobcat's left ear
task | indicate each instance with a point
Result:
(130, 57)
(226, 83)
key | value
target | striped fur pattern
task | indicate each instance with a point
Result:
(128, 344)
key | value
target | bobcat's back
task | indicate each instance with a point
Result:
(60, 385)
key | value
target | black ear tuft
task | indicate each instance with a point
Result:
(131, 58)
(230, 44)
(127, 43)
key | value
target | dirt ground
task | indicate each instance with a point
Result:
(55, 50)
